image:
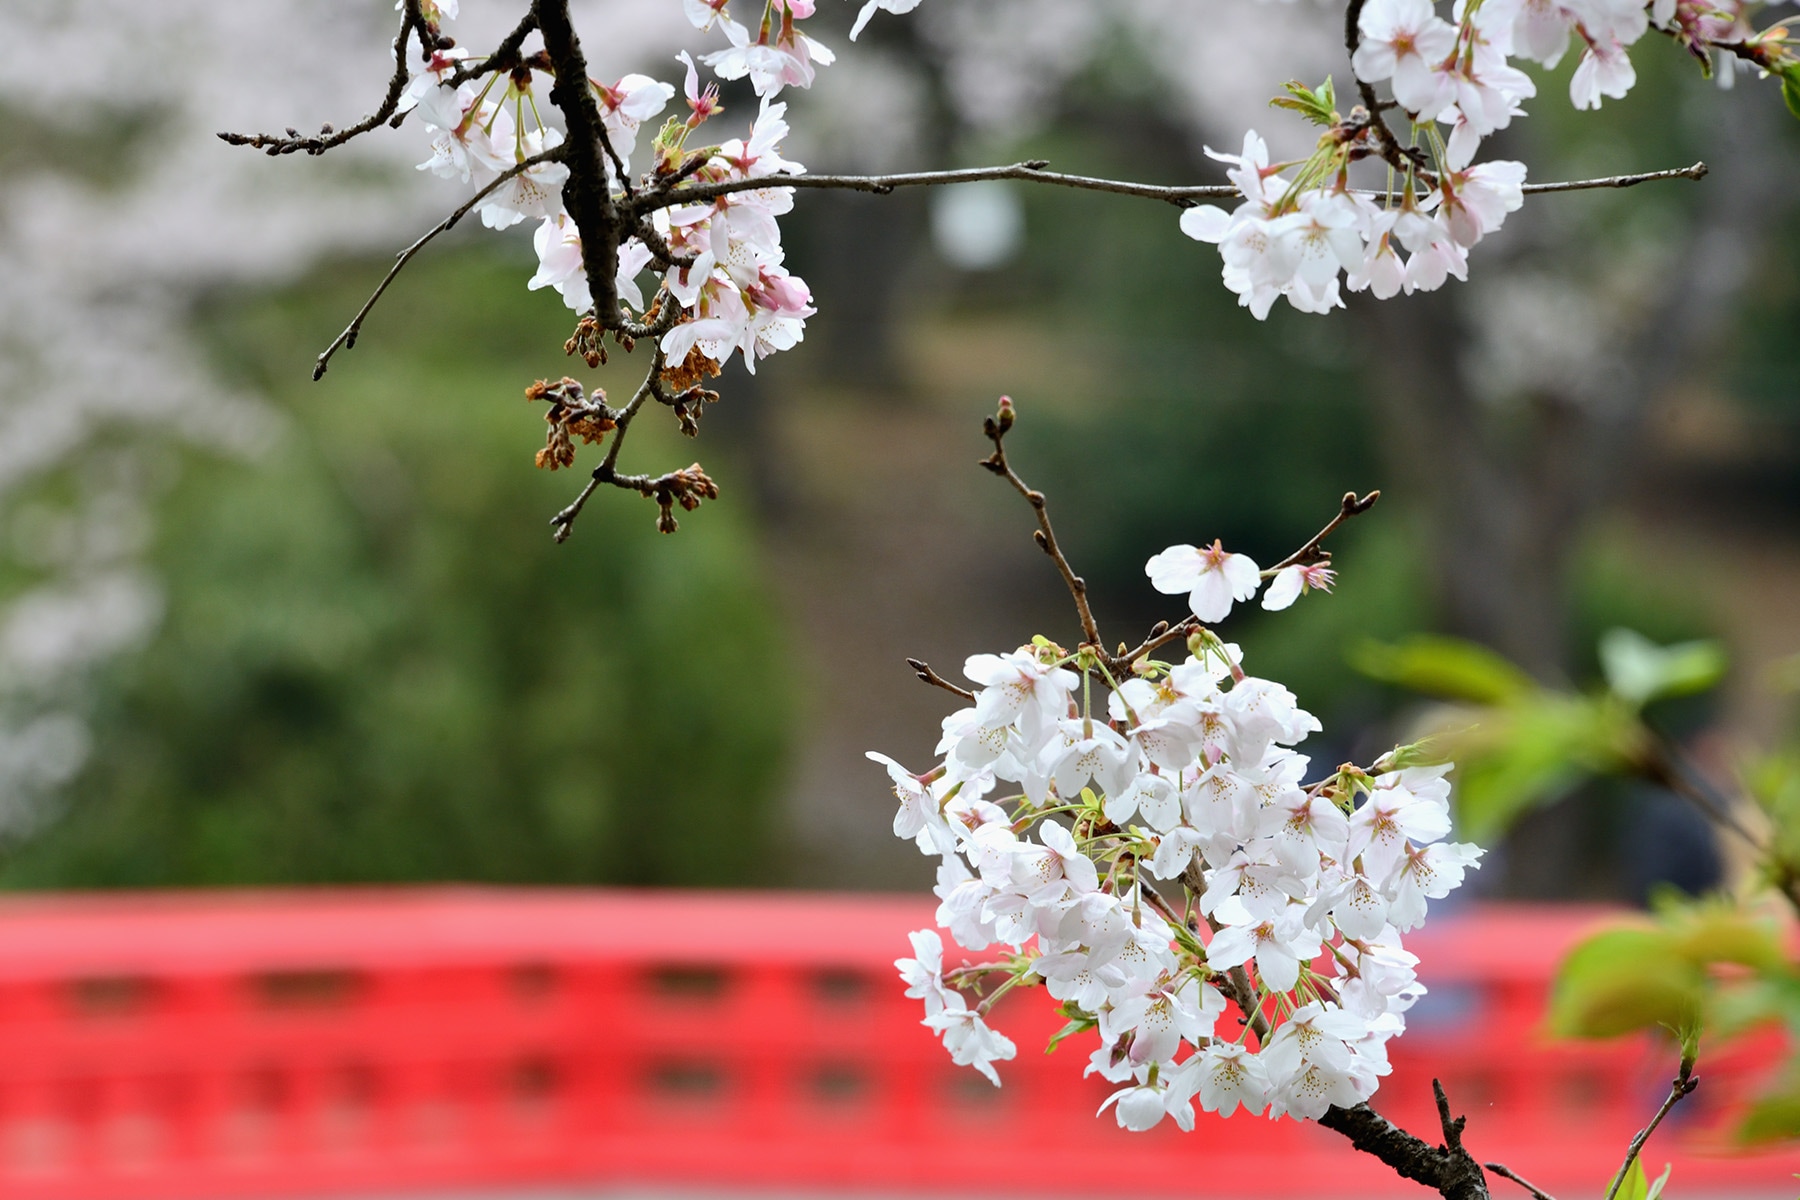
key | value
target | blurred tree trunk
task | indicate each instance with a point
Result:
(1510, 487)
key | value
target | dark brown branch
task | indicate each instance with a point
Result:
(1313, 550)
(411, 21)
(996, 427)
(925, 673)
(347, 339)
(1505, 1172)
(1684, 1083)
(507, 55)
(660, 250)
(1448, 1168)
(587, 195)
(1386, 145)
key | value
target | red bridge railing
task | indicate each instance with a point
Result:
(359, 1042)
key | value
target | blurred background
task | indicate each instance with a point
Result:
(256, 630)
(260, 630)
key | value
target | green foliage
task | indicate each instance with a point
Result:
(1318, 105)
(1623, 980)
(1639, 671)
(1790, 88)
(1516, 745)
(1638, 1185)
(1709, 964)
(1450, 668)
(375, 664)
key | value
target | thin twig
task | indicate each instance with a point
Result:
(924, 672)
(1033, 171)
(564, 522)
(1045, 536)
(882, 184)
(505, 57)
(1506, 1172)
(347, 339)
(1160, 634)
(411, 20)
(1695, 172)
(1452, 1126)
(1684, 1083)
(1311, 552)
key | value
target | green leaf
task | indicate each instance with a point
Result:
(1318, 105)
(1530, 752)
(1442, 666)
(1657, 1186)
(1718, 931)
(1079, 1022)
(1776, 1115)
(1625, 979)
(1636, 1186)
(1639, 671)
(1790, 92)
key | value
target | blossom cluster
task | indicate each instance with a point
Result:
(1302, 231)
(1146, 848)
(1309, 235)
(721, 259)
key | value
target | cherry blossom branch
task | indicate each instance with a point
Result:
(686, 487)
(1033, 171)
(995, 428)
(1685, 1082)
(1314, 551)
(1447, 1168)
(926, 674)
(347, 339)
(1505, 1172)
(564, 521)
(587, 195)
(411, 21)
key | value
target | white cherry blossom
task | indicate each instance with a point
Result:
(1212, 578)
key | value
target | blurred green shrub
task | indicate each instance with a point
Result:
(375, 665)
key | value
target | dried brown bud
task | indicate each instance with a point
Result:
(691, 372)
(558, 450)
(587, 341)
